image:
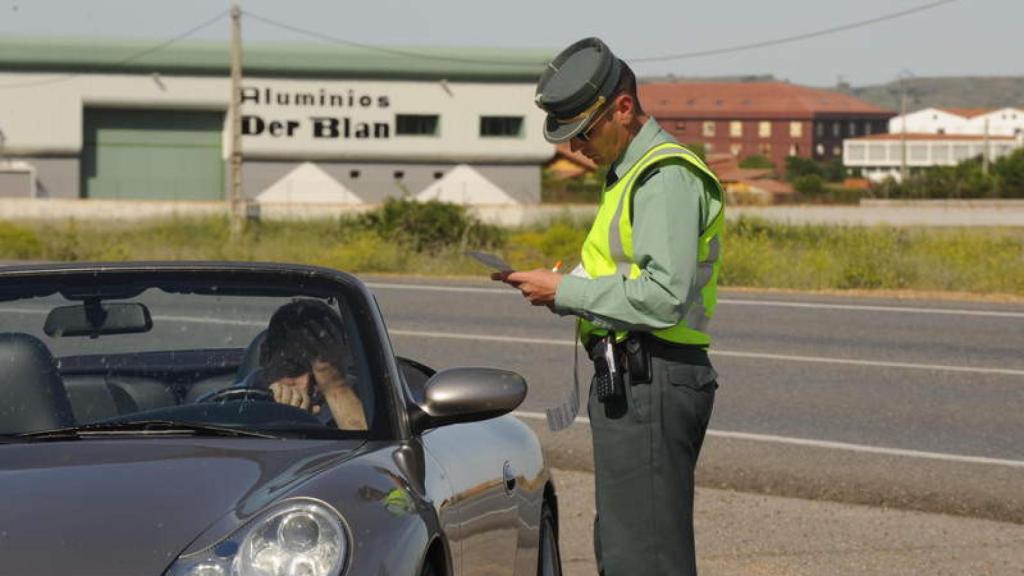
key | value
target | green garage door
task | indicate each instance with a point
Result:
(152, 155)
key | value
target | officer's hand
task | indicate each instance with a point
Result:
(538, 286)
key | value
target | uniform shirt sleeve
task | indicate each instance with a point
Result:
(666, 227)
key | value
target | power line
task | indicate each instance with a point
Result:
(127, 60)
(797, 37)
(383, 49)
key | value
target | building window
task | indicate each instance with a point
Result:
(867, 128)
(399, 174)
(501, 126)
(438, 175)
(708, 129)
(416, 124)
(796, 129)
(681, 126)
(837, 151)
(764, 129)
(736, 149)
(353, 174)
(794, 149)
(819, 149)
(837, 129)
(853, 128)
(765, 149)
(735, 129)
(819, 129)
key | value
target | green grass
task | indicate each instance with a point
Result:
(756, 253)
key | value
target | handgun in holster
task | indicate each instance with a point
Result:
(608, 373)
(638, 359)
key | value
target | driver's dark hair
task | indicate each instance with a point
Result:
(289, 320)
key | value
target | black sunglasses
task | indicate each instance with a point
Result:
(584, 135)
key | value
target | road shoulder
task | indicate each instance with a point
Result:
(756, 534)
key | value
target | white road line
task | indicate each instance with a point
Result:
(554, 342)
(728, 353)
(867, 308)
(773, 439)
(732, 302)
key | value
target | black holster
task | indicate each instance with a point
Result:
(638, 359)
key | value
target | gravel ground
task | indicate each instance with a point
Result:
(758, 535)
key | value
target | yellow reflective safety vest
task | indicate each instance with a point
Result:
(608, 248)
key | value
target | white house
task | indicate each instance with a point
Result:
(999, 121)
(881, 155)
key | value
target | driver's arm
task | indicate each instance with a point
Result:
(342, 399)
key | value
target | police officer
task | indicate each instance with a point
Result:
(644, 294)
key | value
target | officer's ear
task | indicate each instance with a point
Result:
(625, 108)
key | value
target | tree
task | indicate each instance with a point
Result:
(697, 148)
(757, 161)
(1010, 172)
(797, 166)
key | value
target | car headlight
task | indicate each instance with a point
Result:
(294, 538)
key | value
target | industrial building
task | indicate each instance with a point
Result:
(321, 123)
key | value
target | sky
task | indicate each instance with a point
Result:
(964, 37)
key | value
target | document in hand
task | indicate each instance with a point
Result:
(491, 261)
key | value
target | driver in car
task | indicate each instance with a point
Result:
(304, 360)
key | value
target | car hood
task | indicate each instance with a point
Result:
(87, 506)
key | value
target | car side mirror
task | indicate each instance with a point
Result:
(461, 395)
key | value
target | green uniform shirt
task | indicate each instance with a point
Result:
(669, 213)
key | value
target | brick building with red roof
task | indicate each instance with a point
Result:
(772, 119)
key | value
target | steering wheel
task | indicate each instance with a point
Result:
(239, 393)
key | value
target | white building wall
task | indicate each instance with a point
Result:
(879, 159)
(1003, 122)
(42, 115)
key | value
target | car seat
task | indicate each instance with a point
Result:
(32, 394)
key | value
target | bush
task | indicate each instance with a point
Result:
(757, 161)
(430, 226)
(19, 243)
(698, 148)
(810, 185)
(797, 166)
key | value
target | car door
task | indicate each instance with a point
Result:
(485, 499)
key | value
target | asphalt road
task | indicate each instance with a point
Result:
(908, 403)
(912, 404)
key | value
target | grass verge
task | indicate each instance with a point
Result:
(757, 254)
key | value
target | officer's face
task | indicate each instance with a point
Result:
(606, 139)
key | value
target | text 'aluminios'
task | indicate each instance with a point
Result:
(322, 98)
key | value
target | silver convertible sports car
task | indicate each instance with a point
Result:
(216, 419)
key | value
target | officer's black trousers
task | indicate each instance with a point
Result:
(645, 452)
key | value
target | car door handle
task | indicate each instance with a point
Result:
(509, 476)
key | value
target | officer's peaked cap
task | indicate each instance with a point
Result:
(575, 86)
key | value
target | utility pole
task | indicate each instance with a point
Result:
(903, 131)
(985, 154)
(236, 204)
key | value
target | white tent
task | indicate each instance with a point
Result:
(308, 184)
(464, 185)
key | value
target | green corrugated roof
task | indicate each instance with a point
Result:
(289, 60)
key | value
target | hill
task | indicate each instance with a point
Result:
(951, 92)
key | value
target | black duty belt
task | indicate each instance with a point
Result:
(630, 360)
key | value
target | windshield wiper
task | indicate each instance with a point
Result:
(139, 427)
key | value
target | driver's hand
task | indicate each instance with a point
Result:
(294, 392)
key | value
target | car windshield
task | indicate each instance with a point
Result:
(142, 358)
